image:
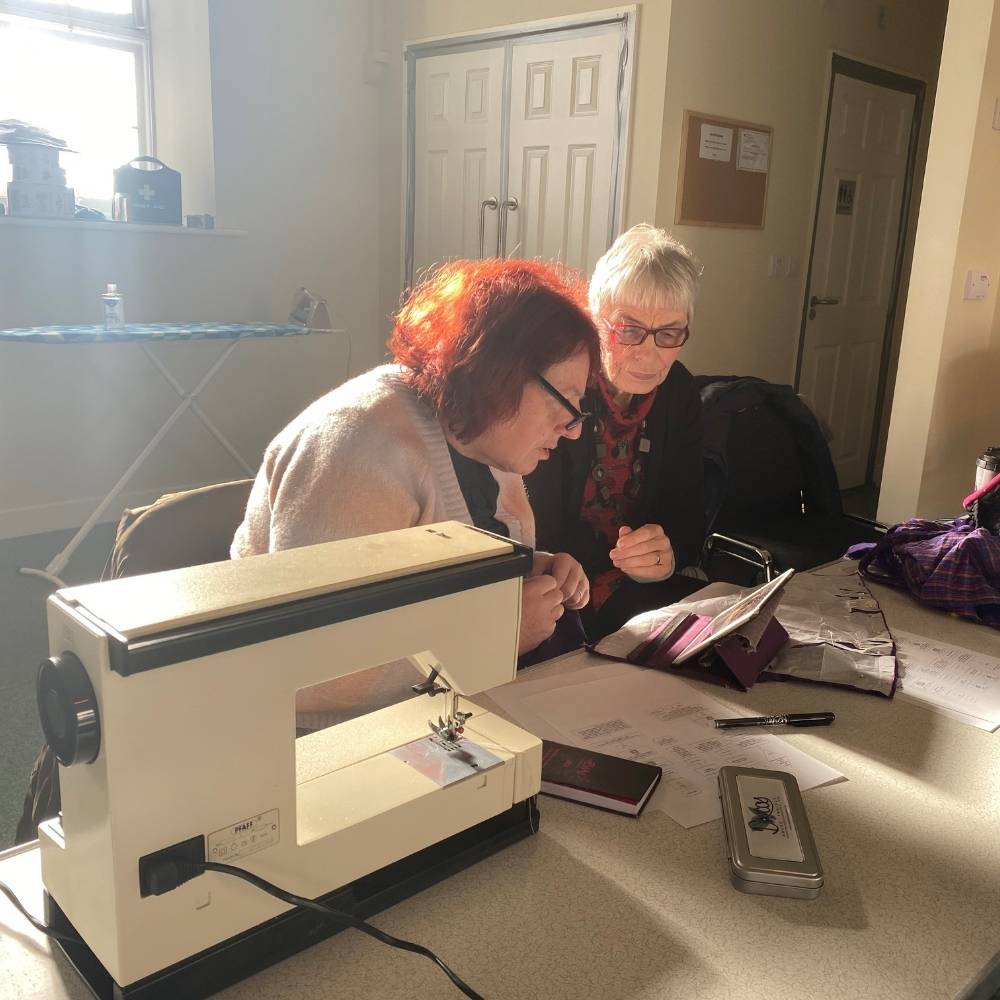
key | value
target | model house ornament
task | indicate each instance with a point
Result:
(38, 184)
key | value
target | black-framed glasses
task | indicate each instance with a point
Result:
(578, 415)
(632, 335)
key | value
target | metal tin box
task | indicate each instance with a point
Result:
(768, 840)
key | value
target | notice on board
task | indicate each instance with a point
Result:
(753, 151)
(716, 143)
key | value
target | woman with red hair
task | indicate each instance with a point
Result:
(493, 358)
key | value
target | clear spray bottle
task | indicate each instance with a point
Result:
(114, 308)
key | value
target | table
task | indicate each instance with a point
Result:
(599, 905)
(146, 334)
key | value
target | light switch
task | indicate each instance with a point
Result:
(776, 266)
(977, 285)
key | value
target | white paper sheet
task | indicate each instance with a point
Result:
(652, 716)
(716, 143)
(753, 150)
(949, 679)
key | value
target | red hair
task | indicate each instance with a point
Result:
(475, 332)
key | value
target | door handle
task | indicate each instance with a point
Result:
(819, 300)
(491, 203)
(510, 205)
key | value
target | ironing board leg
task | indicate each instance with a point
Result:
(196, 407)
(188, 401)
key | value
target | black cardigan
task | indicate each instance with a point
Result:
(672, 494)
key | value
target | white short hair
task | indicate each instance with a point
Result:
(648, 269)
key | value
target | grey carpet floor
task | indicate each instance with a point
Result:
(23, 644)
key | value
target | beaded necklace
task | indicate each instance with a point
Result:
(618, 436)
(615, 482)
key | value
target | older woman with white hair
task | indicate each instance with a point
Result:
(626, 498)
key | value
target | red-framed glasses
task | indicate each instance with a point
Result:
(632, 335)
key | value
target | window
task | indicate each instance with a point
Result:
(79, 70)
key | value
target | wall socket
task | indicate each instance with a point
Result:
(780, 266)
(977, 285)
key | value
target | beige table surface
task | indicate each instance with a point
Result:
(598, 905)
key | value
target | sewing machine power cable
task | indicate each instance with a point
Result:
(338, 915)
(286, 897)
(34, 921)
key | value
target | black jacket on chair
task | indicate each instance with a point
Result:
(725, 398)
(672, 493)
(771, 481)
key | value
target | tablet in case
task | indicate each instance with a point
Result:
(732, 648)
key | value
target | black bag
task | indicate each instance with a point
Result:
(147, 195)
(42, 801)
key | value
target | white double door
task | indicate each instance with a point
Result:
(515, 149)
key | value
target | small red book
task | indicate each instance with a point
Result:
(597, 779)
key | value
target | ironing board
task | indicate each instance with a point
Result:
(145, 335)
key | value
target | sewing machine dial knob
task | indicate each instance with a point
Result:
(67, 707)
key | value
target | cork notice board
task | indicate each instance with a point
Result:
(723, 172)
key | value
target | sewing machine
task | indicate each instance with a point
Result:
(170, 698)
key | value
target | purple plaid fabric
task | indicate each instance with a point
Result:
(950, 565)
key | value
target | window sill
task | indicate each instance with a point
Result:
(24, 222)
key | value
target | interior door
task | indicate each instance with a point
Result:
(564, 127)
(457, 154)
(853, 267)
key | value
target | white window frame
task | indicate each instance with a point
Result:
(128, 32)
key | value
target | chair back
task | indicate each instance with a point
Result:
(764, 450)
(178, 530)
(765, 472)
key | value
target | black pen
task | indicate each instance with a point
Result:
(800, 719)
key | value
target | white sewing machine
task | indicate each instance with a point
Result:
(172, 699)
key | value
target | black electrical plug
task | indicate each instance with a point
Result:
(164, 870)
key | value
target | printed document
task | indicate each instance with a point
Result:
(753, 150)
(657, 718)
(716, 143)
(949, 679)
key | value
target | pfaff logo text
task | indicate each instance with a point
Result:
(243, 827)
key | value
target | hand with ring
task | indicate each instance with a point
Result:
(645, 554)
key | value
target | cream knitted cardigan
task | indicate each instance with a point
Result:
(367, 457)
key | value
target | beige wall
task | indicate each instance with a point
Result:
(765, 61)
(308, 126)
(295, 149)
(182, 97)
(768, 62)
(947, 410)
(296, 154)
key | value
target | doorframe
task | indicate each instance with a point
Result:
(891, 80)
(506, 36)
